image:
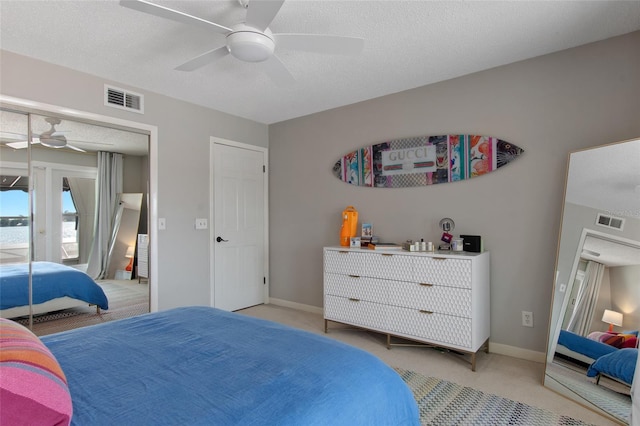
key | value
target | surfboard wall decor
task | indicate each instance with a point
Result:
(425, 160)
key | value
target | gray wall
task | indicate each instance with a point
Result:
(183, 162)
(548, 105)
(626, 294)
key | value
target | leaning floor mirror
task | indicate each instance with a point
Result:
(592, 348)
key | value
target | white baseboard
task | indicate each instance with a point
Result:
(497, 348)
(515, 352)
(295, 305)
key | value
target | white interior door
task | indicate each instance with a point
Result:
(239, 233)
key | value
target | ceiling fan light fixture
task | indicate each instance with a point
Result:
(250, 46)
(54, 142)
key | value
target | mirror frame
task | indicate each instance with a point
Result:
(557, 313)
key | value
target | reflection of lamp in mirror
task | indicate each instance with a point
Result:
(612, 318)
(129, 256)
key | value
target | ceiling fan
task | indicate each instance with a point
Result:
(252, 40)
(51, 138)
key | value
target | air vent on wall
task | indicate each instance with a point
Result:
(610, 221)
(123, 99)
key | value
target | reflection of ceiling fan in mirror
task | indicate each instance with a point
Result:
(51, 138)
(252, 40)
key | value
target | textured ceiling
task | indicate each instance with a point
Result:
(407, 44)
(617, 195)
(610, 253)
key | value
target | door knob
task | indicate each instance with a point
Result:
(220, 239)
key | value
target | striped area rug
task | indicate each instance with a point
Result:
(446, 403)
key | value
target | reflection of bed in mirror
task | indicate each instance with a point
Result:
(581, 348)
(591, 358)
(55, 287)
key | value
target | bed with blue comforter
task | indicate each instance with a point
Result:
(590, 349)
(50, 281)
(204, 366)
(620, 365)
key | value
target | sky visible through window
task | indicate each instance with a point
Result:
(16, 203)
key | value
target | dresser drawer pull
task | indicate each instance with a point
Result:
(343, 251)
(439, 258)
(387, 254)
(422, 311)
(354, 276)
(354, 299)
(426, 285)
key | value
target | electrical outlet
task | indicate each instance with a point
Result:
(527, 319)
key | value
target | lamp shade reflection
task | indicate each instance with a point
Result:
(612, 318)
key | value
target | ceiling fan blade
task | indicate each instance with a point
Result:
(320, 43)
(165, 12)
(21, 144)
(17, 145)
(204, 59)
(278, 71)
(260, 13)
(75, 148)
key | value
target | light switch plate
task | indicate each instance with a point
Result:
(162, 223)
(202, 223)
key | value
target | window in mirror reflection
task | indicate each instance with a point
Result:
(69, 224)
(14, 219)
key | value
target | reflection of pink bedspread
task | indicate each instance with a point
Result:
(617, 340)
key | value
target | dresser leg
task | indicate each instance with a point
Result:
(473, 361)
(326, 326)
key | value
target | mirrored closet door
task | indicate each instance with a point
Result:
(57, 175)
(15, 218)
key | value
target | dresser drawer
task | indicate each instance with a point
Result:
(390, 266)
(356, 312)
(344, 262)
(432, 327)
(443, 271)
(435, 298)
(356, 287)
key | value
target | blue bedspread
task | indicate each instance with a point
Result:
(204, 366)
(591, 348)
(50, 281)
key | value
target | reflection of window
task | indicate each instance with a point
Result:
(14, 219)
(70, 237)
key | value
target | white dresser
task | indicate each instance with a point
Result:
(438, 299)
(143, 256)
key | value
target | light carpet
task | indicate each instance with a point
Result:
(126, 299)
(445, 403)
